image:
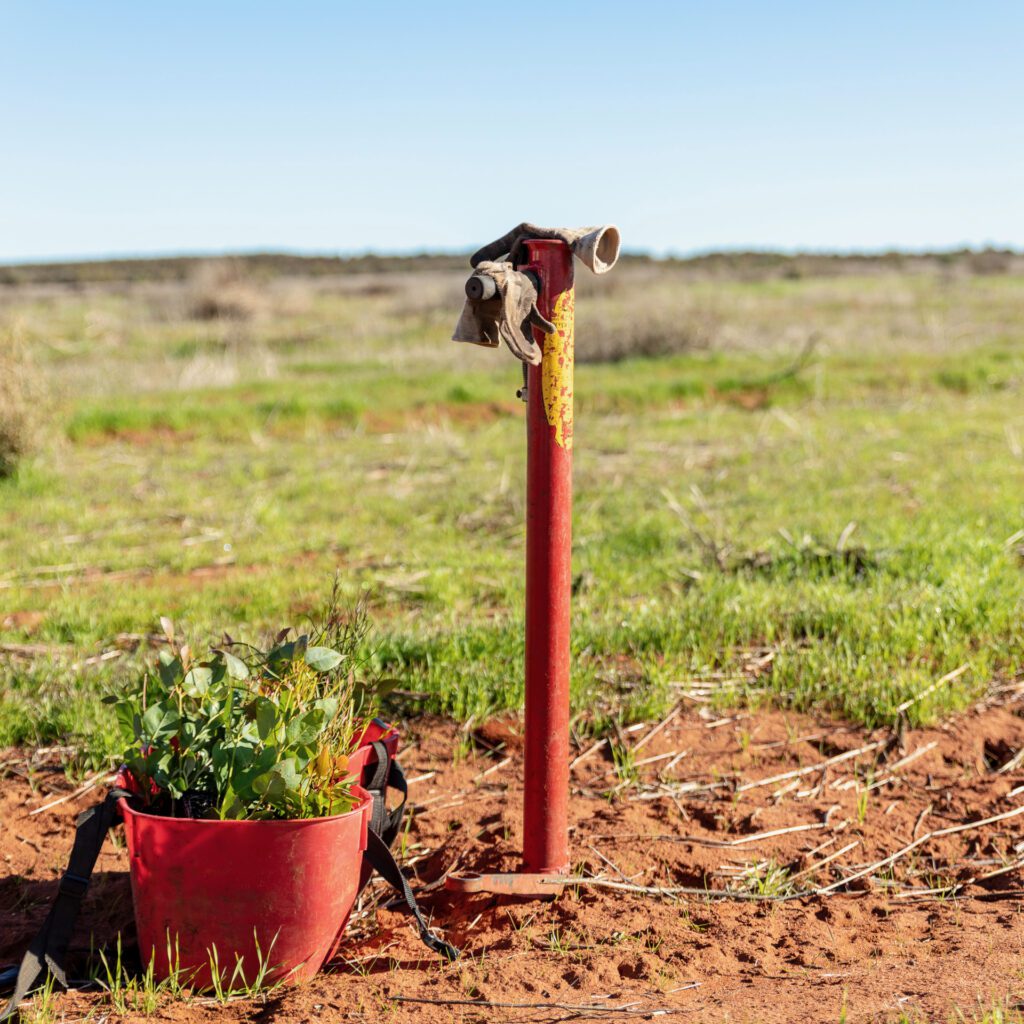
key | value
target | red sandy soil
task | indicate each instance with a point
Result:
(882, 944)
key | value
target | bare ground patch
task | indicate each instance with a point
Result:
(745, 867)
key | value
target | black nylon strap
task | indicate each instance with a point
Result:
(378, 854)
(393, 818)
(377, 787)
(49, 948)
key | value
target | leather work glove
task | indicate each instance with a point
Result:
(597, 248)
(511, 309)
(508, 316)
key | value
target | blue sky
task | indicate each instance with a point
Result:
(150, 127)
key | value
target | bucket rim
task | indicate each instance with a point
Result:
(362, 805)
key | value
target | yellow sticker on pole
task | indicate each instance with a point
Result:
(556, 369)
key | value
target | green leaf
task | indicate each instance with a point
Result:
(237, 668)
(281, 655)
(230, 805)
(282, 780)
(160, 721)
(329, 706)
(124, 712)
(288, 772)
(306, 728)
(197, 681)
(266, 717)
(269, 785)
(322, 659)
(170, 668)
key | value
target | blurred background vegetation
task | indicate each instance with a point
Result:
(798, 478)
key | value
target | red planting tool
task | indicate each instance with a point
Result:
(532, 289)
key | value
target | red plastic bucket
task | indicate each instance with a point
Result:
(363, 758)
(272, 892)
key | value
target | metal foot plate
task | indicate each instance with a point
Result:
(513, 883)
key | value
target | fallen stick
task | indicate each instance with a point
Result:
(615, 867)
(31, 650)
(675, 760)
(944, 891)
(641, 763)
(811, 868)
(494, 768)
(644, 740)
(110, 655)
(797, 772)
(920, 820)
(914, 844)
(81, 791)
(719, 722)
(676, 890)
(1001, 871)
(891, 776)
(420, 778)
(593, 1007)
(947, 678)
(441, 807)
(759, 836)
(593, 749)
(725, 895)
(771, 744)
(822, 846)
(679, 789)
(912, 756)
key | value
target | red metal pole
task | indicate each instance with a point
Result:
(549, 428)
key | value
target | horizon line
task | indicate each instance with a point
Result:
(412, 252)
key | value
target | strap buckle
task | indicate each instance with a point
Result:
(73, 885)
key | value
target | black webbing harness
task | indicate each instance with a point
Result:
(48, 950)
(381, 835)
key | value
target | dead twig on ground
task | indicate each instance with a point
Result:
(675, 890)
(494, 768)
(914, 844)
(947, 678)
(592, 749)
(645, 739)
(629, 1008)
(818, 865)
(89, 784)
(798, 772)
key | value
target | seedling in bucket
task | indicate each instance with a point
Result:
(218, 738)
(242, 785)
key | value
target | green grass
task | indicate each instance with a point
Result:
(712, 490)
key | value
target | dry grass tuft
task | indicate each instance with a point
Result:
(644, 324)
(21, 395)
(222, 290)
